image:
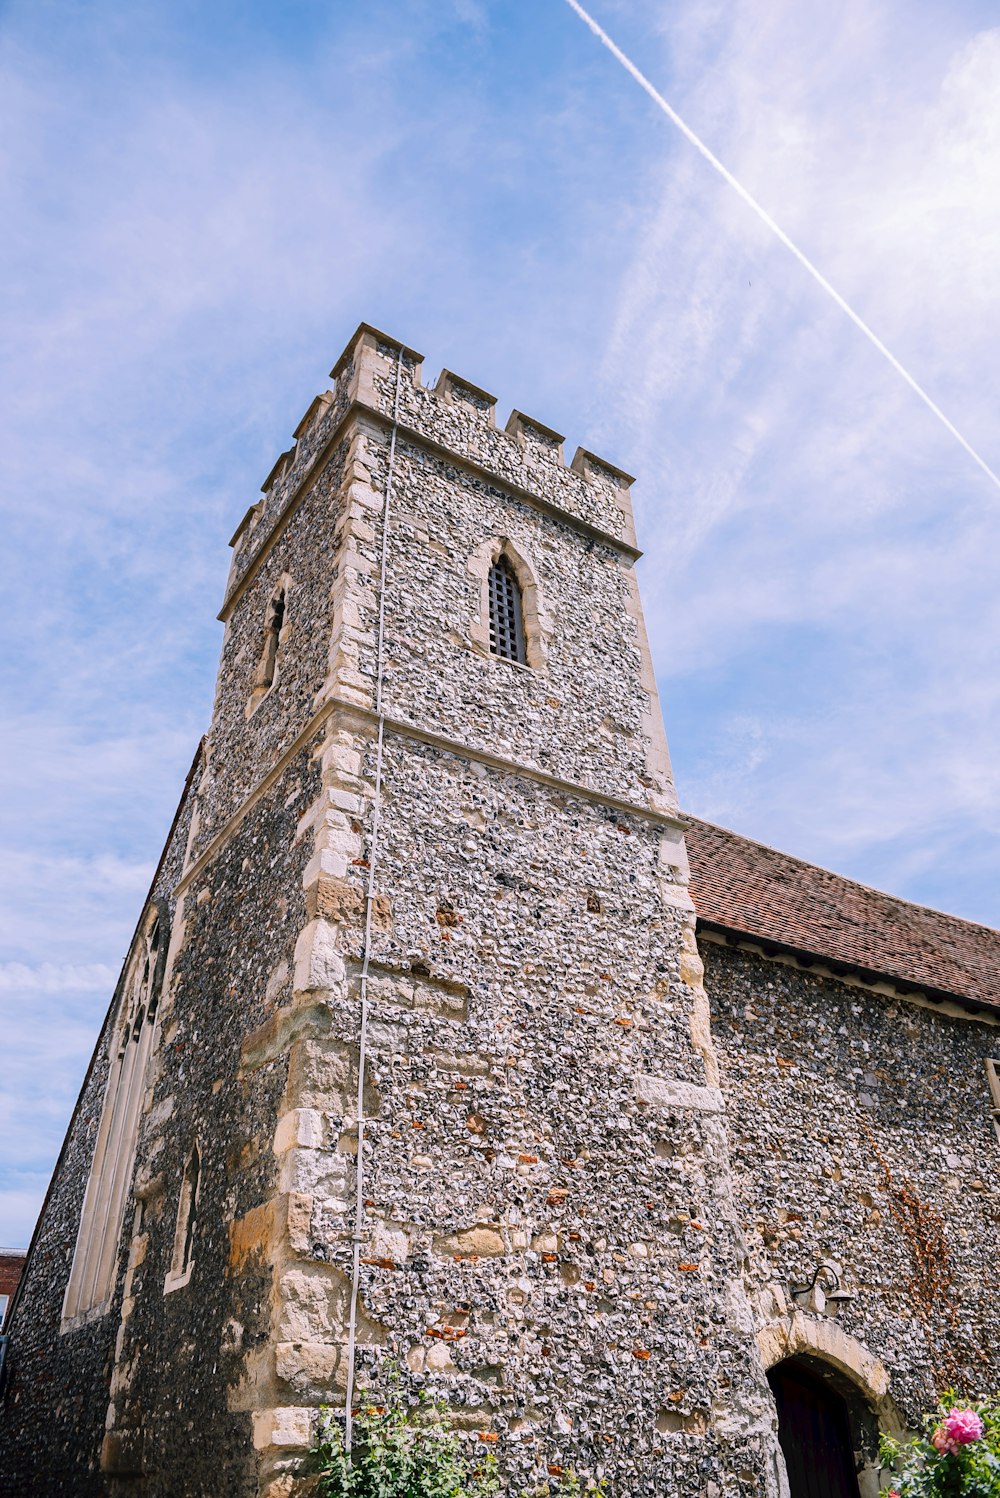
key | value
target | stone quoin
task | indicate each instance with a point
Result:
(636, 1180)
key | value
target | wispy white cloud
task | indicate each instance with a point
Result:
(815, 540)
(197, 213)
(787, 242)
(55, 977)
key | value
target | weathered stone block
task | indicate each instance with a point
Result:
(314, 1370)
(345, 905)
(481, 1242)
(288, 1426)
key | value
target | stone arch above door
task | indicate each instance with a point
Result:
(819, 1337)
(824, 1345)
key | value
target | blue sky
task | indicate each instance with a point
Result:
(200, 203)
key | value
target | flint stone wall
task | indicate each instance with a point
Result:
(550, 1232)
(860, 1132)
(178, 1406)
(579, 715)
(549, 1236)
(550, 1242)
(244, 748)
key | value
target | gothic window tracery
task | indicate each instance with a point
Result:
(95, 1259)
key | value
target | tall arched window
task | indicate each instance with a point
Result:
(506, 614)
(95, 1259)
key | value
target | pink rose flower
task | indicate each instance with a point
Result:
(943, 1443)
(963, 1426)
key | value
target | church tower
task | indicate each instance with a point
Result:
(411, 1058)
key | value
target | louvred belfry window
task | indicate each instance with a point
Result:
(506, 622)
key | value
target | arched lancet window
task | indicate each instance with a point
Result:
(95, 1259)
(182, 1260)
(506, 613)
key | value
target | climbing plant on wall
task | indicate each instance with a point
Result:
(399, 1450)
(399, 1453)
(411, 1451)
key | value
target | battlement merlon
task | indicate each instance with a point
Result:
(456, 418)
(452, 387)
(526, 453)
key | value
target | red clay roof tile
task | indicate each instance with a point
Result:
(754, 891)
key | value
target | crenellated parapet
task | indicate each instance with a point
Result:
(454, 417)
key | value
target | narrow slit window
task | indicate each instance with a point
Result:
(506, 615)
(182, 1261)
(272, 639)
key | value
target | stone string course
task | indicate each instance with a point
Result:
(577, 1226)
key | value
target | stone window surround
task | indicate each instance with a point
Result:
(268, 672)
(535, 620)
(993, 1075)
(179, 1273)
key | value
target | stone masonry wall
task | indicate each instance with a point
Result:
(241, 918)
(549, 1238)
(549, 1242)
(243, 748)
(99, 1393)
(860, 1132)
(579, 713)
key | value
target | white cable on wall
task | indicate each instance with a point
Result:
(359, 1204)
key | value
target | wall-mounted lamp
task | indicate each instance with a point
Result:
(824, 1294)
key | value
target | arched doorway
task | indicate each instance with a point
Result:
(814, 1431)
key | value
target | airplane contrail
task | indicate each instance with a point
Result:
(777, 230)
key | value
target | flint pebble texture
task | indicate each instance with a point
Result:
(860, 1132)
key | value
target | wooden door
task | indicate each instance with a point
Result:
(815, 1434)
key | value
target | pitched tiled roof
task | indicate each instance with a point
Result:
(742, 887)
